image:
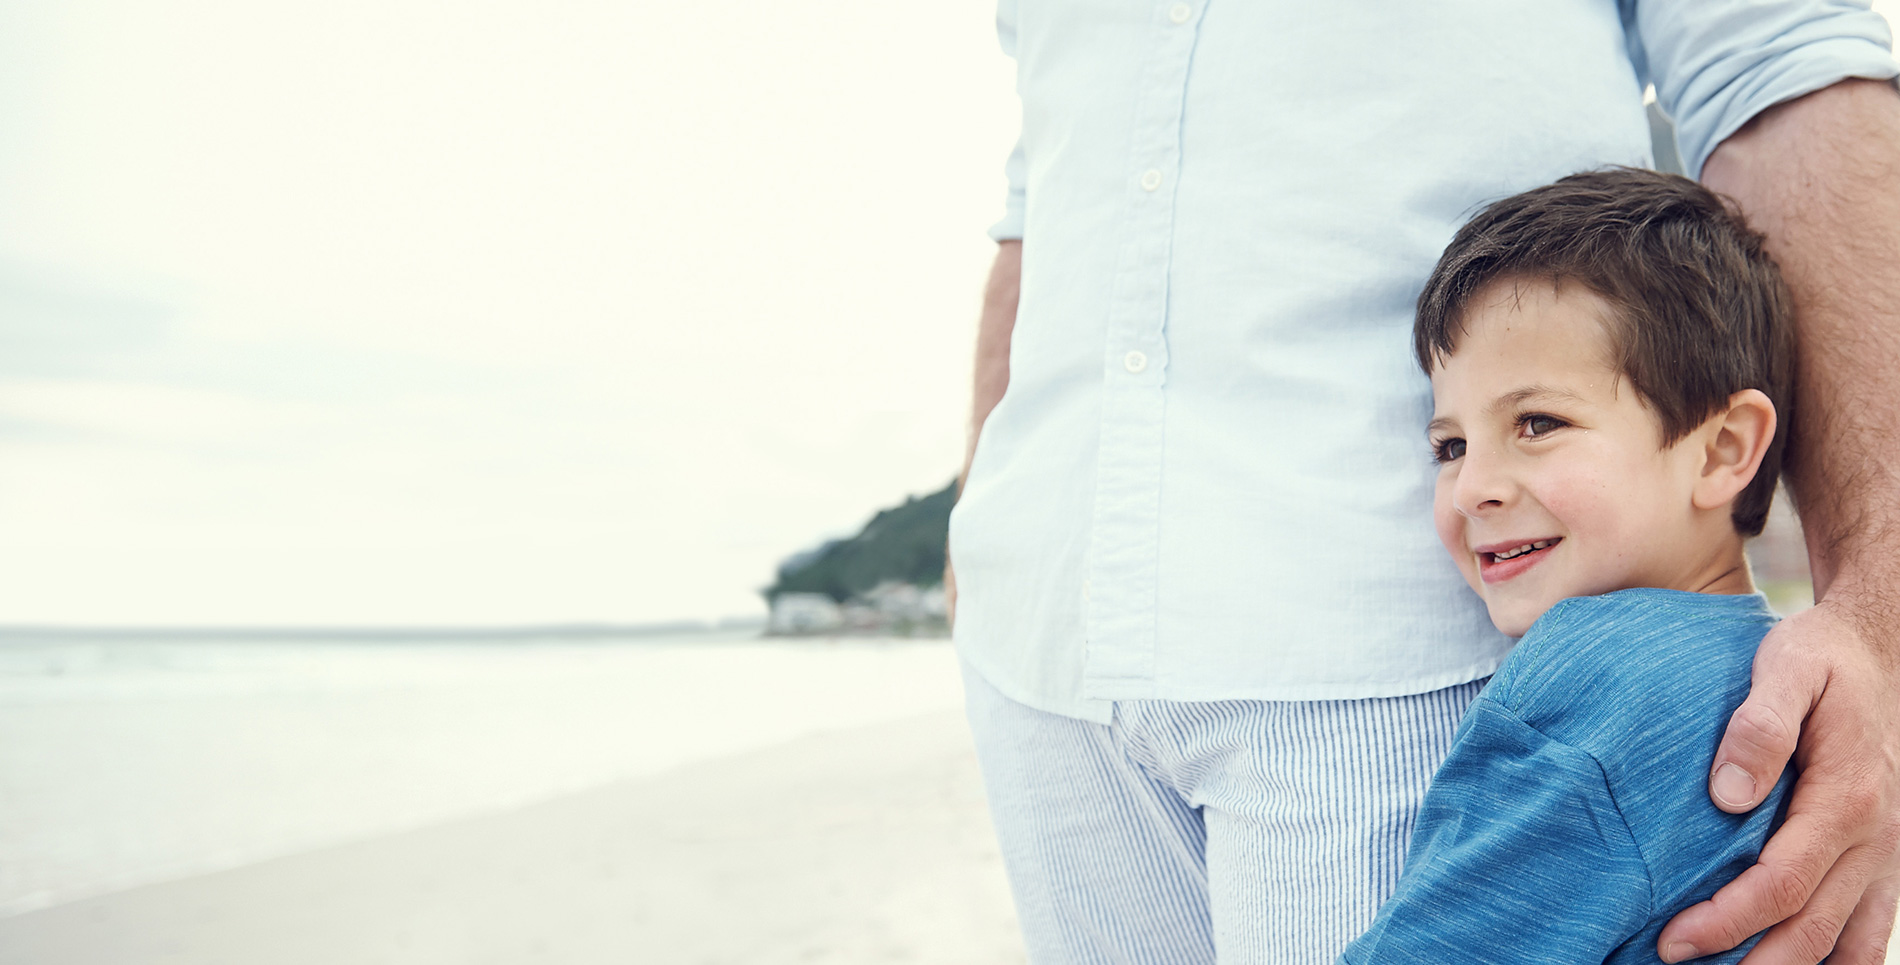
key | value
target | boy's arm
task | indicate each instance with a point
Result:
(1521, 856)
(1820, 176)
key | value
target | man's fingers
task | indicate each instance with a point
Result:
(1812, 934)
(1723, 921)
(1865, 939)
(1754, 749)
(1761, 736)
(1780, 884)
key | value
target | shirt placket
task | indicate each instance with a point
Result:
(1125, 531)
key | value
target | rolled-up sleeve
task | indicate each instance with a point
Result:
(1718, 63)
(1011, 227)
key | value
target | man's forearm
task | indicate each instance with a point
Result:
(1820, 176)
(993, 333)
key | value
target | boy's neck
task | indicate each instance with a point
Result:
(1724, 570)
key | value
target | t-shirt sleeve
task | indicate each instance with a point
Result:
(1718, 63)
(1520, 856)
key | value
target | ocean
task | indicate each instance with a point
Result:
(127, 761)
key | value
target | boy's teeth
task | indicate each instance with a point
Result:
(1520, 551)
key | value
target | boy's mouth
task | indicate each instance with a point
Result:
(1501, 561)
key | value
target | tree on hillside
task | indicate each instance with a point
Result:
(904, 544)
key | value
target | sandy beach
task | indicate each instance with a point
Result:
(859, 846)
(698, 800)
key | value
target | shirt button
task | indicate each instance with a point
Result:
(1134, 361)
(1180, 12)
(1150, 179)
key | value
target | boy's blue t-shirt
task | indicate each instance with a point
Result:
(1571, 820)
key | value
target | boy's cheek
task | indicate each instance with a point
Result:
(1469, 567)
(1451, 534)
(1576, 493)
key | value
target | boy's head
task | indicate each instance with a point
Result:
(1611, 359)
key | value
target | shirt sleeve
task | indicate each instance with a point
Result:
(1520, 856)
(1011, 227)
(1718, 63)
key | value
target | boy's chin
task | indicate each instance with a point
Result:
(1514, 621)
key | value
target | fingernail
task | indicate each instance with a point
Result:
(1682, 951)
(1732, 786)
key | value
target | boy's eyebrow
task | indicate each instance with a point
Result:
(1519, 396)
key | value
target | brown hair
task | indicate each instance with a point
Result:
(1700, 309)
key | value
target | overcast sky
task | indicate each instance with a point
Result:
(431, 312)
(418, 312)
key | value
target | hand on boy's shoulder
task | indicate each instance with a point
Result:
(1827, 679)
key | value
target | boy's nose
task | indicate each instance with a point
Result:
(1482, 487)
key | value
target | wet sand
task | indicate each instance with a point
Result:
(859, 846)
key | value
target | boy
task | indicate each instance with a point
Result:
(1611, 359)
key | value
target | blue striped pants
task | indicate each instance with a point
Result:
(1237, 831)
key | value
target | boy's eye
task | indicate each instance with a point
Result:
(1539, 425)
(1448, 450)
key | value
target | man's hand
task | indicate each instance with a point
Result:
(1843, 827)
(1820, 177)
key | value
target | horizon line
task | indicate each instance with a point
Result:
(579, 629)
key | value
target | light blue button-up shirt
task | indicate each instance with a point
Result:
(1208, 478)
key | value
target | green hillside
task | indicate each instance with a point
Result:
(904, 543)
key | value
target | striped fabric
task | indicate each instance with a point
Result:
(1238, 831)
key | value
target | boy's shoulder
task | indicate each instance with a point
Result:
(1644, 682)
(1595, 671)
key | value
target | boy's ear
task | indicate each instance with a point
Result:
(1734, 441)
